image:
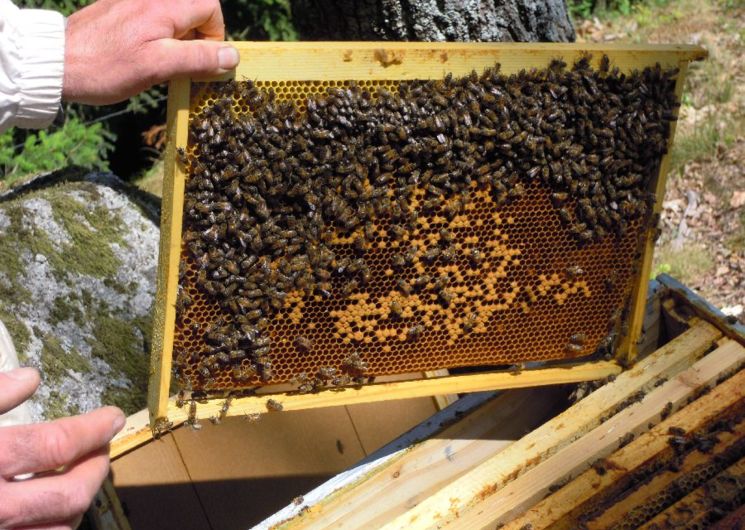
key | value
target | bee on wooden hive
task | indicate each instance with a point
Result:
(274, 405)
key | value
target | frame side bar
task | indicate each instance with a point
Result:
(170, 251)
(629, 346)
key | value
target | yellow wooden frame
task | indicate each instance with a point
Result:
(378, 61)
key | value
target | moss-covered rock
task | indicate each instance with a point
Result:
(77, 282)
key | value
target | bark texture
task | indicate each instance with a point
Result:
(434, 20)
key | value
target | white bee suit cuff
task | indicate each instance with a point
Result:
(32, 53)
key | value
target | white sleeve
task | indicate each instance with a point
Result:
(32, 53)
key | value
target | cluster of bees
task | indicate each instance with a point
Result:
(271, 191)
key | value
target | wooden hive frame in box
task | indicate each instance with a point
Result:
(377, 63)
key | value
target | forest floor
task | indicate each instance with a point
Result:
(703, 217)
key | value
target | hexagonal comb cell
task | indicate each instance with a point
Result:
(335, 231)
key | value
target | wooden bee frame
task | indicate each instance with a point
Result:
(377, 62)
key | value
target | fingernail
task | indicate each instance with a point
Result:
(118, 424)
(228, 58)
(22, 374)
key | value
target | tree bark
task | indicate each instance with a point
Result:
(434, 20)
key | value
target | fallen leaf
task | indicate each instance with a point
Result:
(738, 199)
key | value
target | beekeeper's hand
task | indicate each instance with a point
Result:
(117, 48)
(68, 457)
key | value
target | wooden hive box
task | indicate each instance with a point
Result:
(522, 284)
(487, 459)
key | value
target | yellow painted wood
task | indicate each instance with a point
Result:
(441, 401)
(362, 61)
(135, 433)
(629, 347)
(138, 431)
(560, 510)
(172, 207)
(531, 487)
(403, 390)
(553, 435)
(311, 61)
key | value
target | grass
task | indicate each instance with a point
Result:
(653, 14)
(701, 141)
(689, 262)
(152, 180)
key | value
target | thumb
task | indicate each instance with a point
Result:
(16, 386)
(198, 58)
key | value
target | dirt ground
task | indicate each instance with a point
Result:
(703, 216)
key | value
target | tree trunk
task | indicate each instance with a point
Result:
(434, 20)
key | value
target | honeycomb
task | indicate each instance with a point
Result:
(686, 481)
(517, 284)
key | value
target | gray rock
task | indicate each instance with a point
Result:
(78, 259)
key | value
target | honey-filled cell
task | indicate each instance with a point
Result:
(337, 231)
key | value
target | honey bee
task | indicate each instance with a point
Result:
(326, 372)
(448, 254)
(273, 405)
(469, 322)
(303, 343)
(403, 286)
(445, 296)
(578, 339)
(414, 332)
(183, 301)
(243, 373)
(224, 408)
(432, 253)
(574, 271)
(354, 364)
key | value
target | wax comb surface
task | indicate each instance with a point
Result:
(338, 230)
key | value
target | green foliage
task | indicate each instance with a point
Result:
(73, 144)
(150, 100)
(66, 7)
(589, 8)
(259, 20)
(23, 153)
(581, 8)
